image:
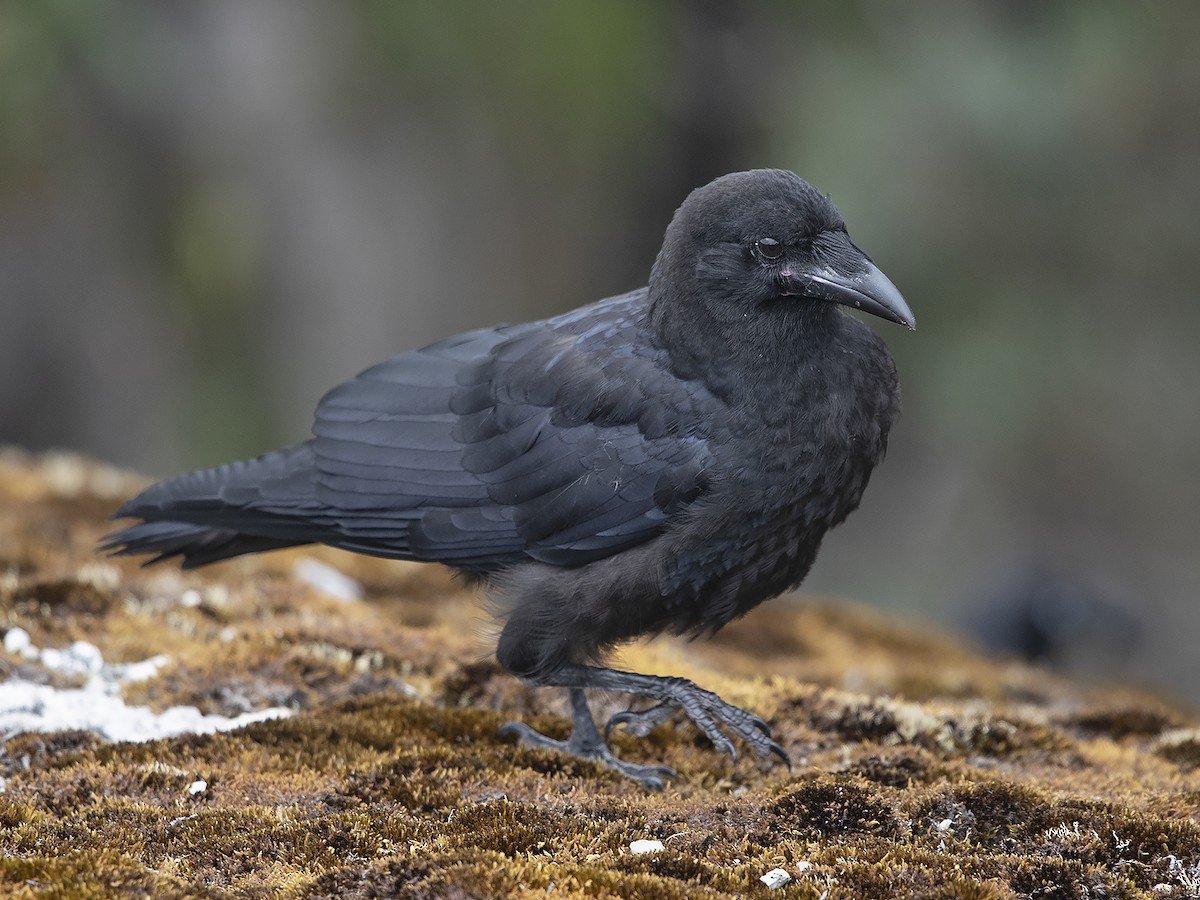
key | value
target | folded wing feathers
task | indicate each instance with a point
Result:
(503, 444)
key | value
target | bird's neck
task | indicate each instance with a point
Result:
(720, 347)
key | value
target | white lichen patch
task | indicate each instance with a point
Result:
(98, 706)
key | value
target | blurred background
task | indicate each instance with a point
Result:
(212, 212)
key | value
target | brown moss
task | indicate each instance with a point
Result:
(832, 807)
(922, 770)
(898, 769)
(1125, 721)
(1179, 745)
(997, 813)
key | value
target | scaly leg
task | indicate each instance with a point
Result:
(706, 710)
(585, 742)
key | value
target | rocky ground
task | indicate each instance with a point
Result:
(282, 730)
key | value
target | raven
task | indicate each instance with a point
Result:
(659, 461)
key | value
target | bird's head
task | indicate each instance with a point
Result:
(768, 237)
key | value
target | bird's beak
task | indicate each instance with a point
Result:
(841, 273)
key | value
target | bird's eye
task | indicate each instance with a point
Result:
(768, 248)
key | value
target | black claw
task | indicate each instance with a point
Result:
(656, 778)
(512, 729)
(761, 725)
(620, 718)
(724, 745)
(781, 753)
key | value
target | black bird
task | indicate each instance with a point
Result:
(664, 460)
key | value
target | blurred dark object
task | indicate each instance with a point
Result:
(1050, 617)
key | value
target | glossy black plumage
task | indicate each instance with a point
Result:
(661, 460)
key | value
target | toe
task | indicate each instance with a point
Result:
(721, 743)
(781, 753)
(528, 737)
(621, 718)
(512, 730)
(761, 725)
(640, 722)
(652, 778)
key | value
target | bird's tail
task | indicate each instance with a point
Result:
(197, 545)
(260, 504)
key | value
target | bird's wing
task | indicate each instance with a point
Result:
(563, 441)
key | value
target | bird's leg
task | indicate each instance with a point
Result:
(585, 742)
(705, 709)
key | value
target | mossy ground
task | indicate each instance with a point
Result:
(921, 768)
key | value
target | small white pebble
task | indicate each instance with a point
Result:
(197, 787)
(645, 846)
(776, 878)
(803, 866)
(190, 599)
(943, 826)
(16, 640)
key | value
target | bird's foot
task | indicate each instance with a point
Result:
(586, 743)
(640, 722)
(652, 778)
(712, 715)
(707, 711)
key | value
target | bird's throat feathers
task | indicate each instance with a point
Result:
(711, 340)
